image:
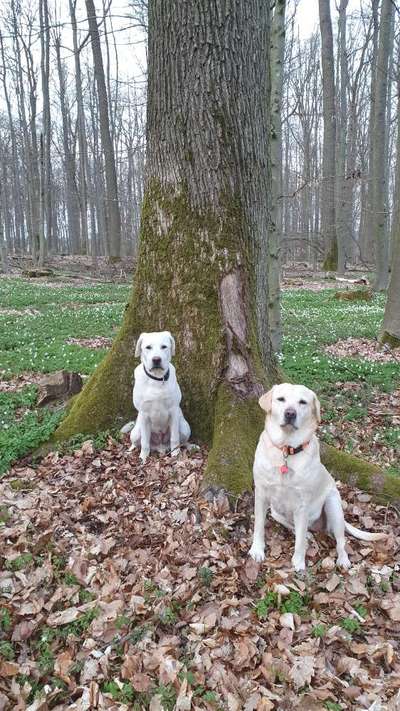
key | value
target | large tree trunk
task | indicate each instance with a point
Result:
(204, 231)
(380, 129)
(328, 221)
(113, 213)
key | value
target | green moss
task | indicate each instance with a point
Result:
(354, 295)
(360, 473)
(390, 339)
(331, 260)
(238, 424)
(183, 256)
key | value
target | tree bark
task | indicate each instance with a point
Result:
(342, 190)
(113, 213)
(328, 220)
(378, 169)
(275, 238)
(390, 331)
(71, 197)
(204, 231)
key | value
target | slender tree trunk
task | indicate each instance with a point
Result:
(45, 75)
(343, 236)
(380, 129)
(113, 214)
(275, 238)
(82, 139)
(328, 220)
(71, 197)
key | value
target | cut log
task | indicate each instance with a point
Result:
(58, 386)
(36, 273)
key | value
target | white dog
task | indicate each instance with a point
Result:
(289, 476)
(157, 396)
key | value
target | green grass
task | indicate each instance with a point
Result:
(35, 341)
(313, 320)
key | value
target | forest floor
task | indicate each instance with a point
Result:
(122, 588)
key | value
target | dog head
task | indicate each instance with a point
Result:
(155, 350)
(291, 410)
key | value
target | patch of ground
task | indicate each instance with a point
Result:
(366, 348)
(123, 588)
(19, 382)
(18, 312)
(98, 342)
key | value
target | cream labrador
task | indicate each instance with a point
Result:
(290, 478)
(156, 396)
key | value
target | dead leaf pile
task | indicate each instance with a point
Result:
(123, 588)
(98, 342)
(366, 422)
(366, 348)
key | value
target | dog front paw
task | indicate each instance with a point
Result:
(343, 561)
(257, 552)
(144, 455)
(176, 451)
(299, 563)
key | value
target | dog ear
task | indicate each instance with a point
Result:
(138, 348)
(317, 409)
(265, 401)
(172, 342)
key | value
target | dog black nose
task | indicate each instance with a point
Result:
(290, 414)
(156, 360)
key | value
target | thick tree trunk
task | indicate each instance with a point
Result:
(328, 221)
(204, 231)
(275, 238)
(380, 129)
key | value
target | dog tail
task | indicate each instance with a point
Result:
(363, 535)
(128, 427)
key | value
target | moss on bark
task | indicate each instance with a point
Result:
(392, 341)
(360, 473)
(330, 263)
(237, 426)
(184, 254)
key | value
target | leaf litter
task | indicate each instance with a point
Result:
(122, 587)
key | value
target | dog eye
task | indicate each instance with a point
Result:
(281, 399)
(302, 402)
(148, 348)
(162, 347)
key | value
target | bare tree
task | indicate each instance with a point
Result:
(378, 173)
(204, 229)
(112, 212)
(275, 239)
(328, 212)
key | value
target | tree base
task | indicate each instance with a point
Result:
(361, 474)
(390, 339)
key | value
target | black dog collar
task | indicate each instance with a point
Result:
(164, 378)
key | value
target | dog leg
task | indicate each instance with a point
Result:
(135, 437)
(335, 525)
(300, 527)
(145, 436)
(184, 431)
(175, 440)
(257, 550)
